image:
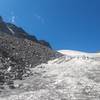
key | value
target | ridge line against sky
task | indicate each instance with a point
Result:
(66, 24)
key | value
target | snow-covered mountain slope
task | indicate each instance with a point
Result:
(69, 77)
(69, 55)
(78, 53)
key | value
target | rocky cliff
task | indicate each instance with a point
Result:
(13, 30)
(19, 52)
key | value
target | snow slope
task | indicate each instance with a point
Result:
(78, 53)
(75, 76)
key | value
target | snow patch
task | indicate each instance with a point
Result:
(11, 30)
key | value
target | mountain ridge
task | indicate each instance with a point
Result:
(11, 29)
(19, 52)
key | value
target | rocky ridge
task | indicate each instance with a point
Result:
(13, 30)
(19, 52)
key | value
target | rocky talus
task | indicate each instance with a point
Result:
(19, 52)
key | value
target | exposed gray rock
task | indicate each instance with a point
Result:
(45, 43)
(11, 29)
(18, 55)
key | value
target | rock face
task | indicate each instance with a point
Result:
(16, 31)
(3, 27)
(18, 55)
(11, 29)
(19, 52)
(43, 42)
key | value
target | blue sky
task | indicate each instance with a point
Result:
(66, 24)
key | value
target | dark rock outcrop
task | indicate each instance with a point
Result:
(19, 52)
(18, 55)
(11, 29)
(3, 28)
(45, 43)
(1, 19)
(16, 31)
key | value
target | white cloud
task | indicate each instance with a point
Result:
(13, 19)
(40, 18)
